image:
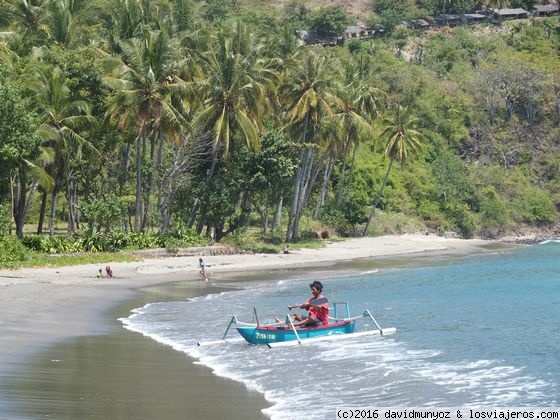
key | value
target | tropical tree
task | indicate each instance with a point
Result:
(20, 155)
(236, 86)
(22, 19)
(399, 128)
(120, 20)
(147, 93)
(307, 92)
(64, 22)
(64, 122)
(362, 101)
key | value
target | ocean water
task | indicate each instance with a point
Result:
(477, 331)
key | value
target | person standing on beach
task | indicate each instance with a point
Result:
(202, 269)
(317, 308)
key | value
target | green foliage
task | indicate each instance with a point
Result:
(485, 99)
(535, 205)
(463, 217)
(52, 244)
(329, 19)
(392, 13)
(5, 218)
(493, 208)
(92, 240)
(242, 241)
(11, 250)
(296, 13)
(355, 46)
(145, 241)
(17, 138)
(104, 212)
(218, 10)
(524, 4)
(268, 173)
(385, 223)
(345, 217)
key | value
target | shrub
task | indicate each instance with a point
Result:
(4, 218)
(104, 212)
(536, 206)
(143, 240)
(11, 250)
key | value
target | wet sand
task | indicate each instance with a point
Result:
(64, 354)
(118, 374)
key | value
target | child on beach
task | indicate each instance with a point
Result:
(202, 269)
(100, 273)
(109, 271)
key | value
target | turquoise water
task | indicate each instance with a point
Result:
(482, 330)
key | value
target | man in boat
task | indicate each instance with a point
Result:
(317, 308)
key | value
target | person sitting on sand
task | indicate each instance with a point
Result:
(100, 273)
(317, 308)
(286, 249)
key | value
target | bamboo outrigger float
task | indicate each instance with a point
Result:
(286, 334)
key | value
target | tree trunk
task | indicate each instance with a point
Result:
(42, 213)
(19, 204)
(70, 199)
(138, 204)
(324, 189)
(122, 176)
(155, 139)
(343, 171)
(12, 203)
(277, 214)
(352, 165)
(378, 197)
(203, 209)
(303, 192)
(297, 183)
(52, 216)
(29, 199)
(295, 199)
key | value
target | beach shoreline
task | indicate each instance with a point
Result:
(42, 307)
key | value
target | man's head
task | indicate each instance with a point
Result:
(317, 285)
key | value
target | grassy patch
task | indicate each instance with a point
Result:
(45, 260)
(252, 240)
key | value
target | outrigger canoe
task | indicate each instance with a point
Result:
(286, 334)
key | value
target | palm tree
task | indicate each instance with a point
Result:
(145, 85)
(35, 172)
(120, 20)
(22, 19)
(64, 22)
(399, 129)
(63, 122)
(236, 85)
(308, 94)
(361, 100)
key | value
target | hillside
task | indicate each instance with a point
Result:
(357, 8)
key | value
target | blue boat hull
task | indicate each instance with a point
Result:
(274, 334)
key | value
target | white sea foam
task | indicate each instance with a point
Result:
(365, 273)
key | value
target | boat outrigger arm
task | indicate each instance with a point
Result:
(366, 314)
(298, 339)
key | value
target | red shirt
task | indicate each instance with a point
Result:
(321, 313)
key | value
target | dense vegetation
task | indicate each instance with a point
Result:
(160, 122)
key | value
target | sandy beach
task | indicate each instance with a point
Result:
(42, 308)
